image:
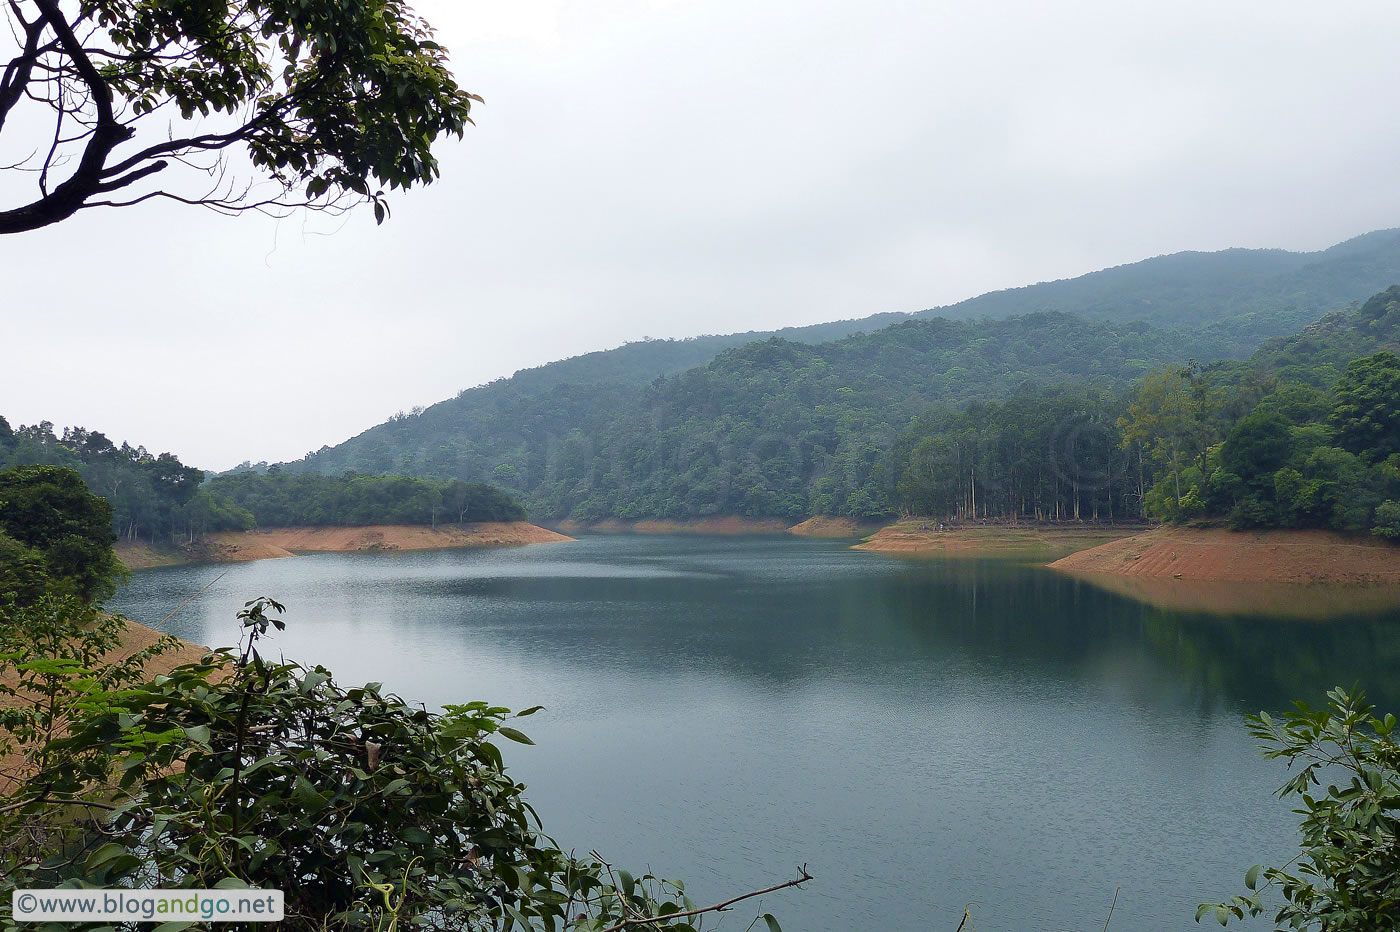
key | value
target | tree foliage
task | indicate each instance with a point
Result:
(279, 103)
(771, 428)
(1045, 454)
(155, 498)
(1275, 452)
(1347, 875)
(1235, 298)
(309, 500)
(55, 535)
(1366, 419)
(160, 500)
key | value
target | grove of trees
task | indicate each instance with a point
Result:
(280, 499)
(159, 500)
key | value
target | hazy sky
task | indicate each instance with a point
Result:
(668, 168)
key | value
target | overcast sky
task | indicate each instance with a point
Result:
(674, 167)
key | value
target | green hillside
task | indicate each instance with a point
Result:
(1304, 434)
(772, 428)
(1240, 296)
(1237, 297)
(640, 362)
(802, 422)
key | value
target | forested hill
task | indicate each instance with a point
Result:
(1304, 434)
(1244, 295)
(792, 426)
(1239, 297)
(640, 362)
(773, 428)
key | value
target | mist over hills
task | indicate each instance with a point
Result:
(757, 423)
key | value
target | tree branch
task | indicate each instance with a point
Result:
(16, 75)
(717, 908)
(68, 197)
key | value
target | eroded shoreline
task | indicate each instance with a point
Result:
(273, 543)
(1218, 555)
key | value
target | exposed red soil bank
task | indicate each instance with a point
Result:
(1028, 542)
(720, 524)
(1232, 556)
(270, 543)
(141, 556)
(827, 526)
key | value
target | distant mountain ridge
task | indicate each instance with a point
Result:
(1194, 289)
(640, 362)
(1245, 296)
(794, 420)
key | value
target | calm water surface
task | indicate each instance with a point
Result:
(923, 735)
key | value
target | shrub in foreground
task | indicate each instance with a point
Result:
(1346, 878)
(368, 812)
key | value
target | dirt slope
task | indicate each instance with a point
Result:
(279, 542)
(134, 638)
(721, 524)
(1023, 542)
(1259, 556)
(828, 526)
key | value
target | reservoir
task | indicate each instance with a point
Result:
(927, 736)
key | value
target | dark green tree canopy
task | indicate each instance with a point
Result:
(324, 102)
(52, 529)
(1367, 414)
(1258, 445)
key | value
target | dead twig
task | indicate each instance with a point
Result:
(1111, 906)
(717, 908)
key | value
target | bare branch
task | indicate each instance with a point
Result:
(68, 197)
(134, 176)
(15, 78)
(61, 111)
(717, 908)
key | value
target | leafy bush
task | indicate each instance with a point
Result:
(1387, 520)
(236, 772)
(1347, 877)
(52, 526)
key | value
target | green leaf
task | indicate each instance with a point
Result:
(508, 732)
(104, 856)
(415, 836)
(1251, 876)
(772, 923)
